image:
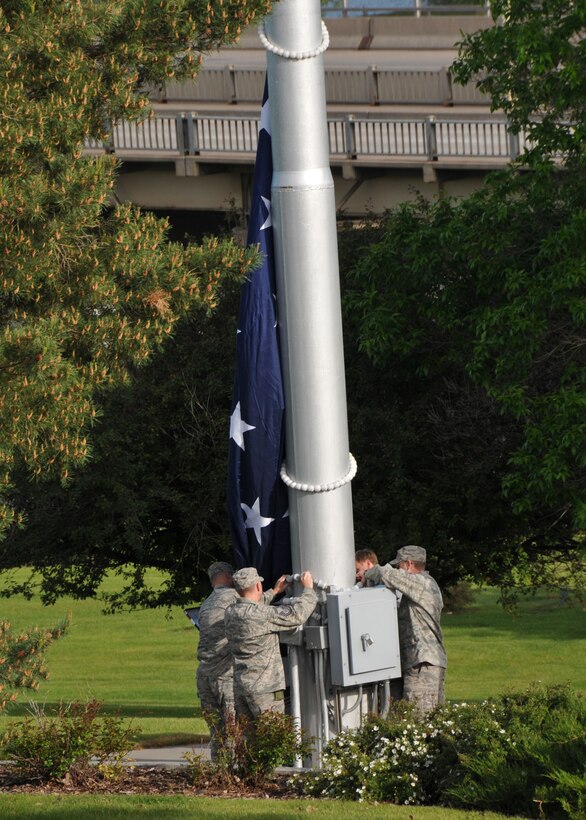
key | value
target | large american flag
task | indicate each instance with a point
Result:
(257, 498)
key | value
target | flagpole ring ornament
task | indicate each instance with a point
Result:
(295, 55)
(319, 488)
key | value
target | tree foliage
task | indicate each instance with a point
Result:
(22, 663)
(533, 66)
(153, 494)
(473, 314)
(86, 297)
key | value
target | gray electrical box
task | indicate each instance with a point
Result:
(363, 636)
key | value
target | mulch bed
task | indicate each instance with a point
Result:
(144, 781)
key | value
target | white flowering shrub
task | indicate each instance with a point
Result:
(400, 759)
(505, 754)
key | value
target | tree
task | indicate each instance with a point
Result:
(473, 314)
(533, 65)
(88, 294)
(22, 664)
(154, 493)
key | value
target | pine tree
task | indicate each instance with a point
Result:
(88, 292)
(22, 663)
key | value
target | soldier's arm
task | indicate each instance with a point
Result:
(280, 586)
(287, 615)
(410, 584)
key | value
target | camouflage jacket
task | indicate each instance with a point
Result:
(420, 633)
(252, 630)
(213, 653)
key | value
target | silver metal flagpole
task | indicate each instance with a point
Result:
(319, 467)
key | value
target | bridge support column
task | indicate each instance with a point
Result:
(187, 167)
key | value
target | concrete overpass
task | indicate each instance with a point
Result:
(398, 125)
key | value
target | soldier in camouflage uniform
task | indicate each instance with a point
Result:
(423, 658)
(253, 627)
(363, 560)
(215, 680)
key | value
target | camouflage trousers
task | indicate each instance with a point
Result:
(249, 705)
(216, 696)
(423, 685)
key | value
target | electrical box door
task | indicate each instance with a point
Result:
(363, 636)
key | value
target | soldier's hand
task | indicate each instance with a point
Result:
(306, 580)
(281, 585)
(372, 577)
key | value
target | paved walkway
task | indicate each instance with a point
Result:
(168, 757)
(171, 757)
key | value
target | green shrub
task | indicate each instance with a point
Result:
(77, 742)
(273, 742)
(542, 764)
(227, 768)
(458, 597)
(519, 753)
(250, 752)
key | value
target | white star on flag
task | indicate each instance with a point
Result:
(269, 220)
(238, 427)
(265, 119)
(254, 520)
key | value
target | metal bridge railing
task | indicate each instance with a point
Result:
(419, 8)
(430, 138)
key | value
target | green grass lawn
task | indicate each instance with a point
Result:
(143, 663)
(491, 651)
(119, 807)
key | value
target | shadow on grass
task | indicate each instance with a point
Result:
(135, 710)
(145, 806)
(161, 741)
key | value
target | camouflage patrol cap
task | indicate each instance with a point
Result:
(218, 567)
(409, 553)
(245, 578)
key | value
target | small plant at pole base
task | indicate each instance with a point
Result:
(228, 742)
(249, 752)
(77, 743)
(22, 663)
(274, 741)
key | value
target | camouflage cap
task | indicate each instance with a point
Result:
(245, 578)
(409, 553)
(219, 567)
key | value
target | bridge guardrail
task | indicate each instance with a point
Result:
(419, 8)
(429, 139)
(373, 85)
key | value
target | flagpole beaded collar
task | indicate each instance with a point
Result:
(320, 488)
(294, 55)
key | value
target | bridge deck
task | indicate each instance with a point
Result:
(395, 118)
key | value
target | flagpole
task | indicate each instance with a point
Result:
(318, 466)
